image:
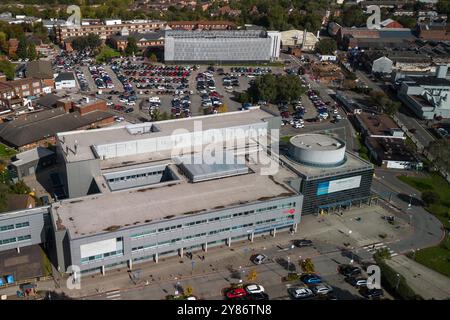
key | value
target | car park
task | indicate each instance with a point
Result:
(300, 292)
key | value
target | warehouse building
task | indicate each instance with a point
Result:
(427, 96)
(221, 46)
(331, 178)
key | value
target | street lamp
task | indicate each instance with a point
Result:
(398, 281)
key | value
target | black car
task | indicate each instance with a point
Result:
(258, 296)
(349, 270)
(302, 243)
(371, 293)
(129, 110)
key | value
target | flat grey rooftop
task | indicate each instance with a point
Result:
(101, 212)
(313, 141)
(31, 155)
(85, 139)
(353, 163)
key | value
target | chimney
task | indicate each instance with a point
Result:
(441, 71)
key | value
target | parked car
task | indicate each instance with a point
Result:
(349, 270)
(129, 110)
(311, 279)
(371, 293)
(302, 243)
(357, 281)
(258, 296)
(300, 293)
(322, 289)
(254, 288)
(259, 259)
(236, 293)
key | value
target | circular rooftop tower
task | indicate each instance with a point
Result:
(317, 150)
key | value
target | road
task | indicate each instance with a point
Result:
(404, 115)
(428, 230)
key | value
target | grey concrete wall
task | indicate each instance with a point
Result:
(39, 227)
(80, 176)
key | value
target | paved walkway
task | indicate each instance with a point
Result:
(426, 282)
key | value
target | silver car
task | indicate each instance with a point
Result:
(322, 289)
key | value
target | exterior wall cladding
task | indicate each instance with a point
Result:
(314, 202)
(217, 49)
(149, 242)
(24, 228)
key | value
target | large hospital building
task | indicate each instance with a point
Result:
(145, 191)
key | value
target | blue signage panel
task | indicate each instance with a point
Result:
(322, 188)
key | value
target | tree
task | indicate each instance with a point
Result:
(223, 108)
(3, 43)
(326, 46)
(32, 54)
(93, 41)
(153, 57)
(8, 69)
(430, 198)
(106, 54)
(188, 291)
(252, 275)
(132, 47)
(307, 265)
(22, 49)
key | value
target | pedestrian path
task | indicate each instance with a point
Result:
(373, 248)
(113, 295)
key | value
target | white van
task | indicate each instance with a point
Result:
(154, 99)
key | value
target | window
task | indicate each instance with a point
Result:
(6, 228)
(7, 241)
(22, 225)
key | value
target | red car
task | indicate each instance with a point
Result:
(236, 293)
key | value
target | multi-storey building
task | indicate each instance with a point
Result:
(106, 29)
(221, 46)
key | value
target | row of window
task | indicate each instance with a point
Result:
(136, 176)
(14, 240)
(147, 233)
(154, 245)
(102, 256)
(16, 226)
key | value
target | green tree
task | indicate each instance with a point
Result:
(430, 198)
(32, 54)
(132, 47)
(153, 57)
(22, 49)
(8, 69)
(3, 43)
(326, 46)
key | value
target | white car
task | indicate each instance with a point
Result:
(322, 289)
(259, 259)
(299, 293)
(298, 125)
(109, 103)
(254, 288)
(131, 103)
(338, 117)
